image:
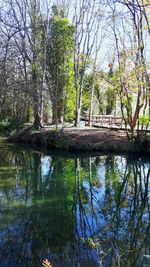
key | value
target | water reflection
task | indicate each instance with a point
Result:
(76, 212)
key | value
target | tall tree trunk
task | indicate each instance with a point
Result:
(38, 102)
(54, 113)
(37, 115)
(91, 103)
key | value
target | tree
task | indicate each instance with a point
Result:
(132, 63)
(86, 20)
(60, 65)
(37, 59)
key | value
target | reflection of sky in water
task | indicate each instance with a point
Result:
(45, 166)
(33, 199)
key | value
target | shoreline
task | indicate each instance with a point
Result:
(84, 140)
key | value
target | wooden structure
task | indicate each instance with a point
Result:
(104, 120)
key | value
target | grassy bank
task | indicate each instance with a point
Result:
(86, 139)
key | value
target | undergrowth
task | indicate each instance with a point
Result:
(9, 126)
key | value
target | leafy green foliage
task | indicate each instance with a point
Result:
(110, 95)
(9, 125)
(87, 84)
(60, 65)
(144, 120)
(105, 94)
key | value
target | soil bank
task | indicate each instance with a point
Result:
(86, 139)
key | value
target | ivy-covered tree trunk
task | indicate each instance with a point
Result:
(37, 62)
(60, 115)
(37, 116)
(59, 65)
(38, 101)
(54, 113)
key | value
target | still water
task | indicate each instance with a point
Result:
(76, 211)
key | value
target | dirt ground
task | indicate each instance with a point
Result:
(94, 135)
(80, 139)
(91, 139)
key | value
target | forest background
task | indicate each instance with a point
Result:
(63, 59)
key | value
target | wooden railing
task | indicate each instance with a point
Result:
(104, 120)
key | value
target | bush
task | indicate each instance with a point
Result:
(9, 126)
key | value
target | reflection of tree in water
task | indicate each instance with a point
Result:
(124, 212)
(59, 208)
(46, 222)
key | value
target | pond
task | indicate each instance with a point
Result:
(76, 211)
